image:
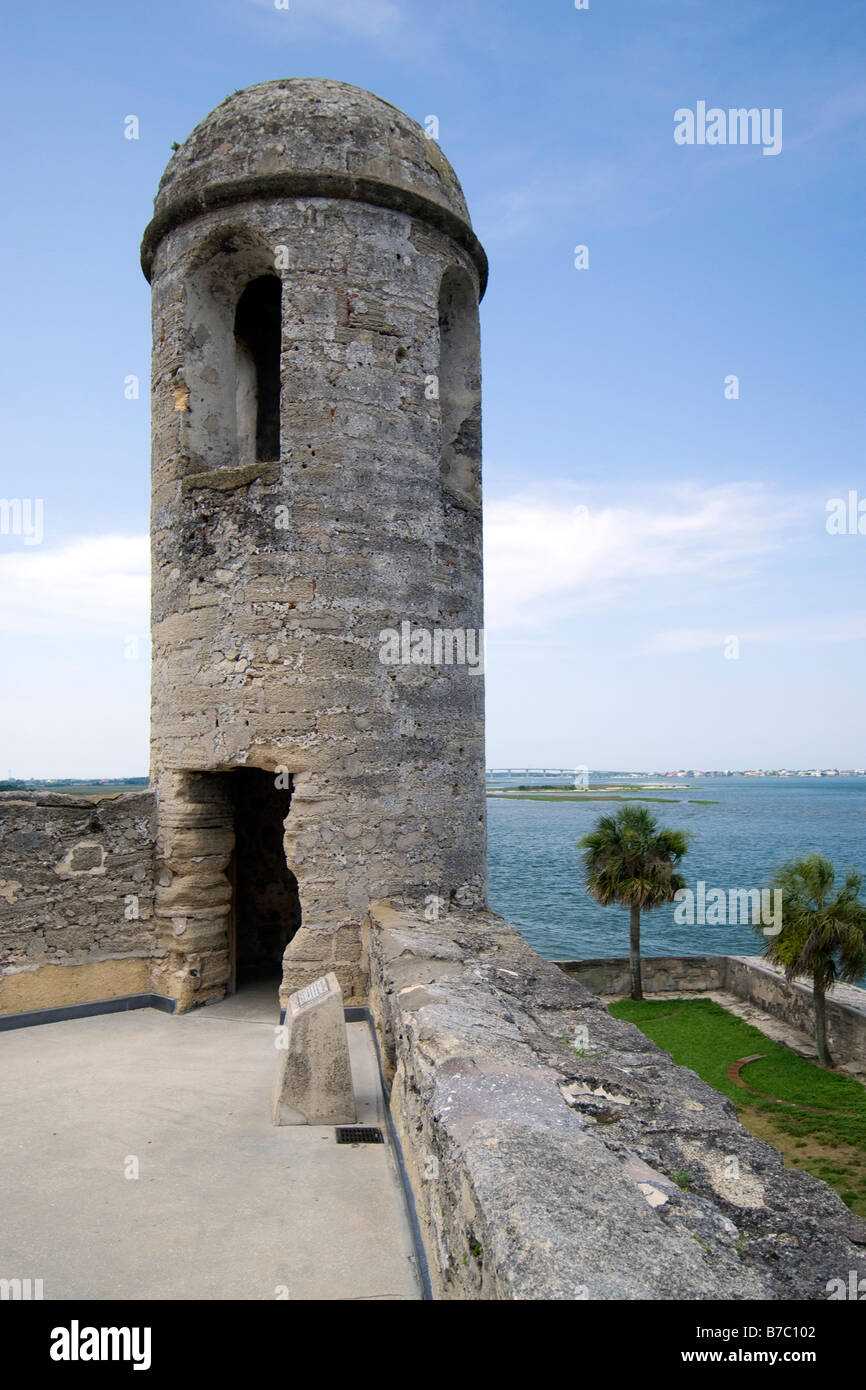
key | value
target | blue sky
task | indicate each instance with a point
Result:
(636, 519)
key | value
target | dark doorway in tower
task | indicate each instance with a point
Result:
(266, 909)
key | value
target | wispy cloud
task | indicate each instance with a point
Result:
(813, 631)
(547, 557)
(615, 191)
(92, 587)
(833, 114)
(368, 18)
(639, 186)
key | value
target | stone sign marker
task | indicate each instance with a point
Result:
(313, 1082)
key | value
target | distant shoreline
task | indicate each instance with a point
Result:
(70, 787)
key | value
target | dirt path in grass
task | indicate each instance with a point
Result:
(734, 1074)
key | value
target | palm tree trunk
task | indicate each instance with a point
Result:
(824, 1058)
(634, 953)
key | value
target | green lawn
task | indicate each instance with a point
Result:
(700, 1034)
(93, 791)
(601, 791)
(89, 789)
(576, 796)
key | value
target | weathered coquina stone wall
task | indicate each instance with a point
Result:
(544, 1138)
(752, 979)
(76, 898)
(660, 974)
(316, 482)
(747, 977)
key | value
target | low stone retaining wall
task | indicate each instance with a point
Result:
(751, 979)
(747, 977)
(76, 899)
(546, 1141)
(660, 974)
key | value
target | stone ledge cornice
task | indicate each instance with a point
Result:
(313, 185)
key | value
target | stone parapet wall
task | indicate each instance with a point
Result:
(750, 978)
(660, 974)
(543, 1138)
(76, 891)
(747, 977)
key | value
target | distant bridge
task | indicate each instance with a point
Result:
(532, 771)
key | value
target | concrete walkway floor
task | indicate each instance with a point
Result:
(225, 1205)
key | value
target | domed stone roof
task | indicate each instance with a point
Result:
(304, 136)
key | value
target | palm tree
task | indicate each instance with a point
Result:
(631, 860)
(823, 932)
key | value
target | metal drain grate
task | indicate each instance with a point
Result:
(358, 1134)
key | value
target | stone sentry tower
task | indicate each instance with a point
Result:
(316, 402)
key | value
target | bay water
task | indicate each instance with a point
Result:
(757, 823)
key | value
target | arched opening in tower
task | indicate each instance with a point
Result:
(460, 388)
(266, 909)
(258, 332)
